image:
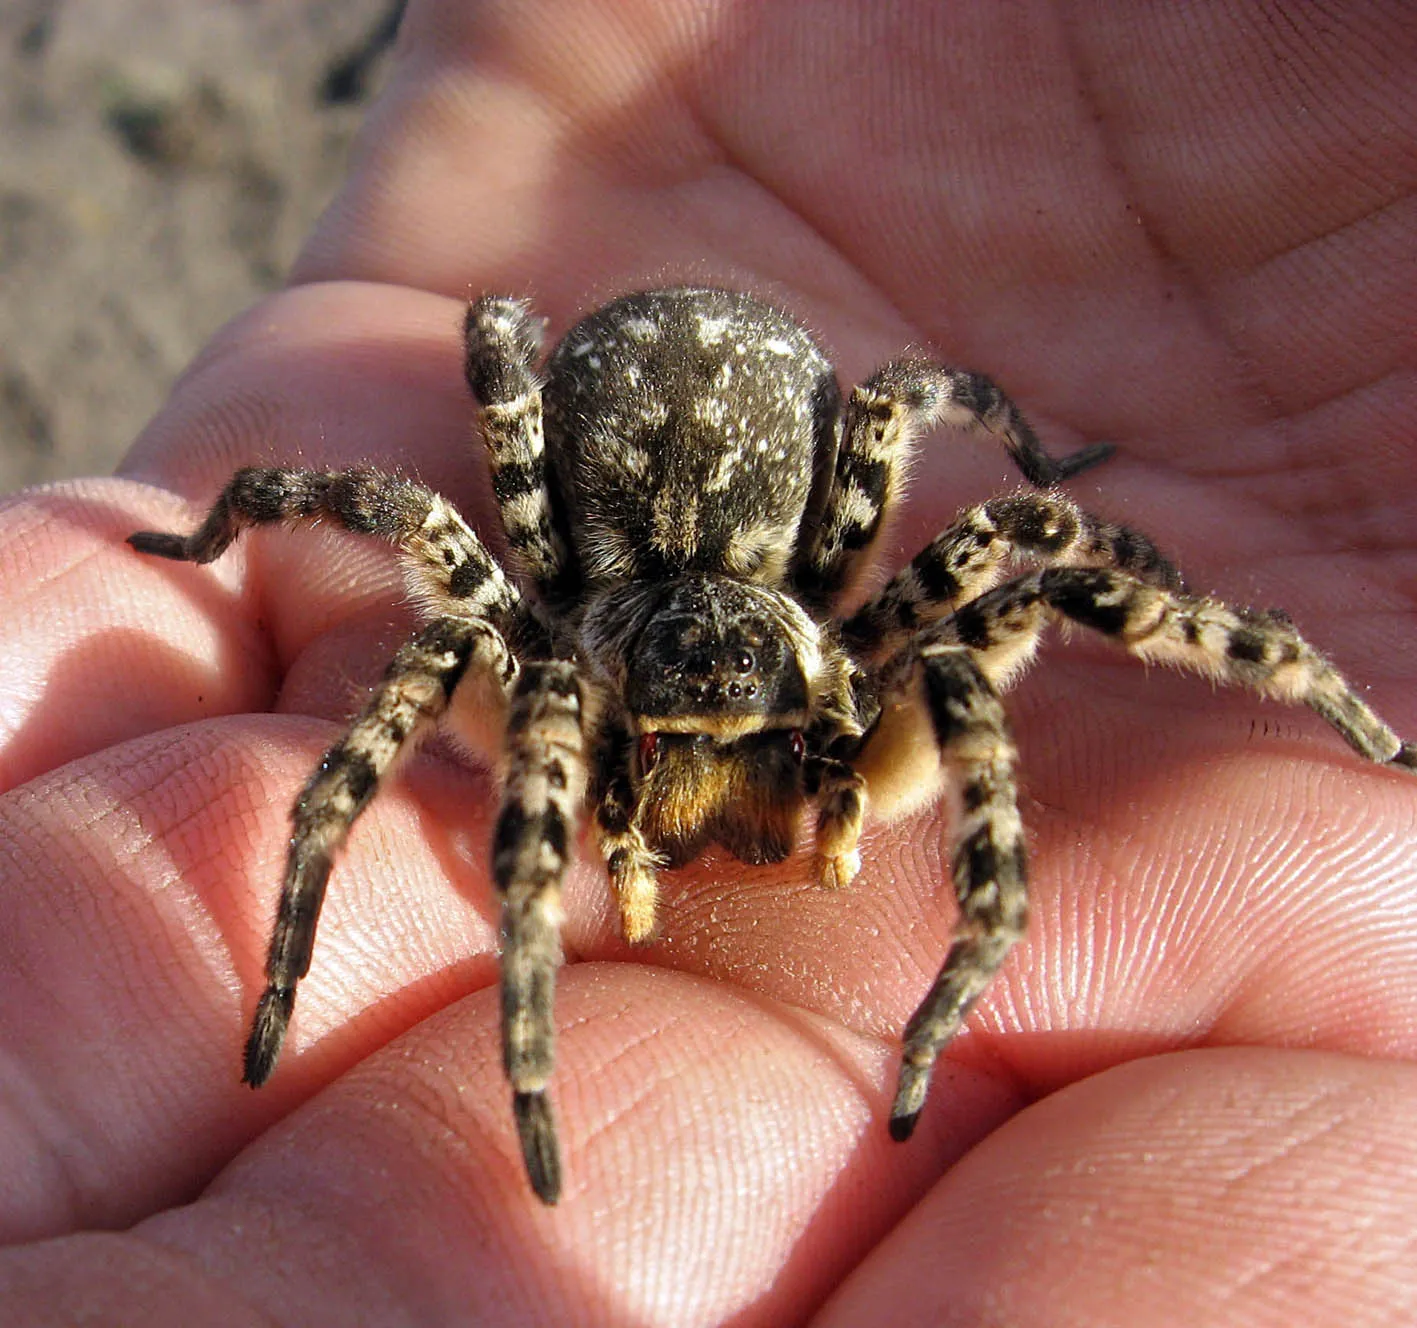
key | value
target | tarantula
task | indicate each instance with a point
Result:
(687, 499)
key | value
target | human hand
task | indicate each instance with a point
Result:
(1185, 1099)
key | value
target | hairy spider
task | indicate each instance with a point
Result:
(688, 498)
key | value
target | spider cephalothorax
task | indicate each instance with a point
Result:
(688, 498)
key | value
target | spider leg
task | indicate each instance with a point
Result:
(448, 567)
(965, 560)
(841, 796)
(630, 861)
(413, 694)
(502, 343)
(946, 684)
(937, 687)
(883, 417)
(531, 849)
(1238, 647)
(973, 554)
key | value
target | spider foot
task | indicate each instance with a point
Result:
(536, 1128)
(637, 892)
(909, 1101)
(1064, 468)
(268, 1031)
(835, 871)
(160, 544)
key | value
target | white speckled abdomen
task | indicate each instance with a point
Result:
(684, 429)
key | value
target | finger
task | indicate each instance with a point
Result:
(139, 887)
(1244, 1187)
(327, 378)
(344, 375)
(1114, 969)
(1237, 851)
(94, 653)
(102, 644)
(723, 1163)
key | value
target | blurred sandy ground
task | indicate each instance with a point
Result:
(160, 163)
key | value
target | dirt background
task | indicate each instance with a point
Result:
(160, 163)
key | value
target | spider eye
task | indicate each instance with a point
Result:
(797, 744)
(649, 750)
(745, 663)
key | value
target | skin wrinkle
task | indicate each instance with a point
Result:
(845, 270)
(1299, 464)
(1306, 90)
(46, 1147)
(55, 575)
(1248, 1170)
(1337, 231)
(1175, 272)
(606, 1124)
(804, 1023)
(1295, 451)
(1247, 364)
(118, 1275)
(1324, 1125)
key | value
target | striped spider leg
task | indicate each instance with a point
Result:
(940, 704)
(477, 614)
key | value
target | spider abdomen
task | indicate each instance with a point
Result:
(683, 428)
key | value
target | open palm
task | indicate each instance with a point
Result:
(1186, 230)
